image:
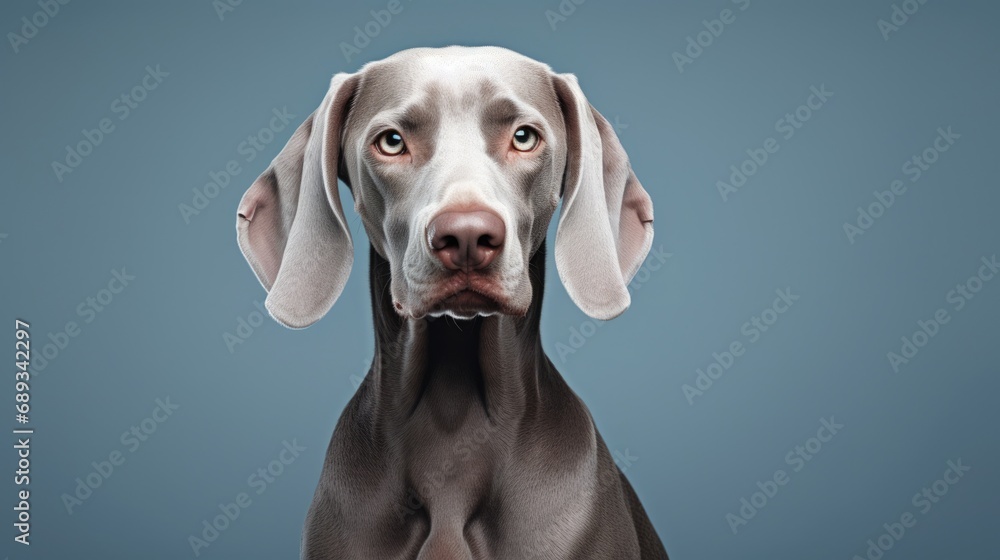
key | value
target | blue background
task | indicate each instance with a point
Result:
(691, 461)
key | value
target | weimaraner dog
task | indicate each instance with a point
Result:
(463, 441)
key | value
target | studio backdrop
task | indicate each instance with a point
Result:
(808, 367)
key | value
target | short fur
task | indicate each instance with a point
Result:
(463, 441)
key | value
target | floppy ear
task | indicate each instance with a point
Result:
(606, 225)
(291, 226)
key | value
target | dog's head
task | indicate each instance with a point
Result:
(456, 159)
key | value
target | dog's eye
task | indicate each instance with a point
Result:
(390, 143)
(525, 139)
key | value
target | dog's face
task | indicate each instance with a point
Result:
(456, 159)
(456, 166)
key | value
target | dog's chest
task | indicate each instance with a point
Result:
(450, 467)
(479, 489)
(453, 484)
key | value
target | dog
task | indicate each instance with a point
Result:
(463, 441)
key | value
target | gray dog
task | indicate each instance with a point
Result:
(463, 441)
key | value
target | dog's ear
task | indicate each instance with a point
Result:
(606, 226)
(291, 227)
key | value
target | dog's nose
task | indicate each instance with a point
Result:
(466, 240)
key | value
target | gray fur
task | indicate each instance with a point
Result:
(463, 441)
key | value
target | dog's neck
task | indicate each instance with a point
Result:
(450, 366)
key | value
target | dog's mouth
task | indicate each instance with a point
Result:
(465, 296)
(465, 304)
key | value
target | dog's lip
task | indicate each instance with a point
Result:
(467, 301)
(465, 294)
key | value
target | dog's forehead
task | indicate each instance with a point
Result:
(457, 77)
